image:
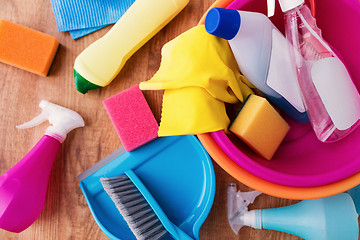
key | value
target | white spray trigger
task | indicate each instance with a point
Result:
(238, 203)
(62, 119)
(35, 121)
(270, 8)
(285, 5)
(248, 197)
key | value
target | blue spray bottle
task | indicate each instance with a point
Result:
(355, 194)
(330, 218)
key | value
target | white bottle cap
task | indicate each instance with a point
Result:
(285, 5)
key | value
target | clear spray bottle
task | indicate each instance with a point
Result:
(330, 97)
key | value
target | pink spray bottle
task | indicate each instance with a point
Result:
(23, 187)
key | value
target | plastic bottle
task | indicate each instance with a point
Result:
(330, 97)
(261, 53)
(23, 187)
(330, 218)
(99, 63)
(355, 194)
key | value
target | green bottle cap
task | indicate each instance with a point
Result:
(83, 85)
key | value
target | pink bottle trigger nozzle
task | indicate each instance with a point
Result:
(63, 120)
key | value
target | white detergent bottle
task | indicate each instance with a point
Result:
(330, 97)
(330, 218)
(261, 53)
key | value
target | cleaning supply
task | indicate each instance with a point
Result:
(23, 187)
(330, 97)
(191, 110)
(329, 218)
(81, 18)
(132, 117)
(26, 48)
(238, 203)
(209, 62)
(198, 73)
(260, 126)
(145, 217)
(121, 188)
(258, 47)
(75, 34)
(176, 171)
(99, 63)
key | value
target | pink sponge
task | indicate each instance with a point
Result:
(132, 118)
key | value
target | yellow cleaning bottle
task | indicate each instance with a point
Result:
(99, 63)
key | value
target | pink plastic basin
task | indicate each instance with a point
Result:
(302, 160)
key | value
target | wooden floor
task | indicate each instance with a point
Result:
(66, 214)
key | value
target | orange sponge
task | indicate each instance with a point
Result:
(260, 126)
(26, 48)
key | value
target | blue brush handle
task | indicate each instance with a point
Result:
(175, 231)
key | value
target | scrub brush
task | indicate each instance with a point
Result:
(139, 209)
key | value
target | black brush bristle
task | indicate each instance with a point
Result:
(136, 211)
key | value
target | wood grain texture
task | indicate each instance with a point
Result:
(65, 214)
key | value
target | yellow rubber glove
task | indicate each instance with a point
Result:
(191, 110)
(196, 58)
(199, 73)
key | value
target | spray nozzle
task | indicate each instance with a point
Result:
(270, 8)
(287, 5)
(63, 120)
(238, 213)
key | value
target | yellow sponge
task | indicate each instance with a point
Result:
(26, 48)
(260, 126)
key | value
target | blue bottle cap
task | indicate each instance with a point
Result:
(224, 23)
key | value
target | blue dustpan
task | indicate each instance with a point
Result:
(176, 170)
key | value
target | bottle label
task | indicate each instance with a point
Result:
(282, 74)
(337, 92)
